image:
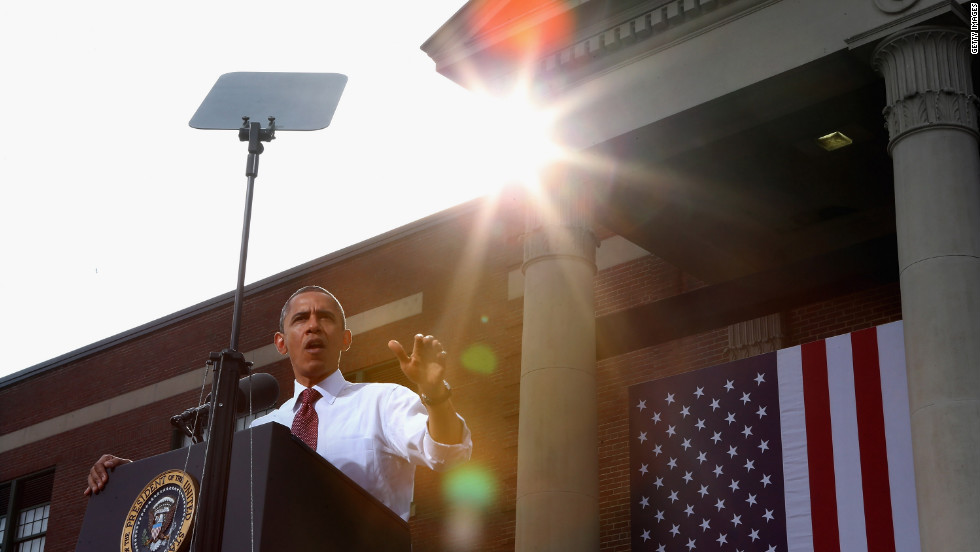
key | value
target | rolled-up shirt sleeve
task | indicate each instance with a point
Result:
(406, 430)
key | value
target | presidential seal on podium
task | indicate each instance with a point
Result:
(160, 518)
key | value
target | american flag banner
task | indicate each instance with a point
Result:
(806, 448)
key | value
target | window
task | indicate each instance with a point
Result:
(181, 440)
(25, 506)
(244, 421)
(388, 371)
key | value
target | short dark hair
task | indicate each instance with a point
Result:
(307, 289)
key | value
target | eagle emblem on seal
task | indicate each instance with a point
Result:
(160, 524)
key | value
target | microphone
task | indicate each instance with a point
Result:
(263, 389)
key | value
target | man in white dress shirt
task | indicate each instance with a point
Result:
(376, 433)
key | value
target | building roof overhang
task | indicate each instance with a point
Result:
(733, 190)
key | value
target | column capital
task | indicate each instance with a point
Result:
(755, 337)
(927, 81)
(568, 242)
(559, 221)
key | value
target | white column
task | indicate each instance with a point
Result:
(931, 115)
(557, 458)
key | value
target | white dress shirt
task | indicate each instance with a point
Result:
(376, 433)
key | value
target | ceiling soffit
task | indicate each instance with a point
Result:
(739, 185)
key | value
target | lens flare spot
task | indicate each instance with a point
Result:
(553, 26)
(485, 319)
(479, 358)
(470, 486)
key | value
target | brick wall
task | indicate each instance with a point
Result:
(461, 265)
(843, 315)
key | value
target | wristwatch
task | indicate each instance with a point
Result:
(429, 401)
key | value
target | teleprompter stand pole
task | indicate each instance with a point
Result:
(300, 101)
(209, 529)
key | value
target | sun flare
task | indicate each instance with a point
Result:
(513, 137)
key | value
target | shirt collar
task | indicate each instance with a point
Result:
(330, 388)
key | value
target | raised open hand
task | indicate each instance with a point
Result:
(425, 366)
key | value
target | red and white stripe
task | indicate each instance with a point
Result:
(847, 447)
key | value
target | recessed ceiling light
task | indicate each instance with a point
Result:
(834, 140)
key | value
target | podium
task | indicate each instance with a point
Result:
(301, 502)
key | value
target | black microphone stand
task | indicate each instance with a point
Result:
(209, 529)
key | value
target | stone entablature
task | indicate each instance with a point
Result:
(894, 6)
(653, 22)
(656, 23)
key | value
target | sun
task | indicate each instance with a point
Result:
(513, 137)
(483, 142)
